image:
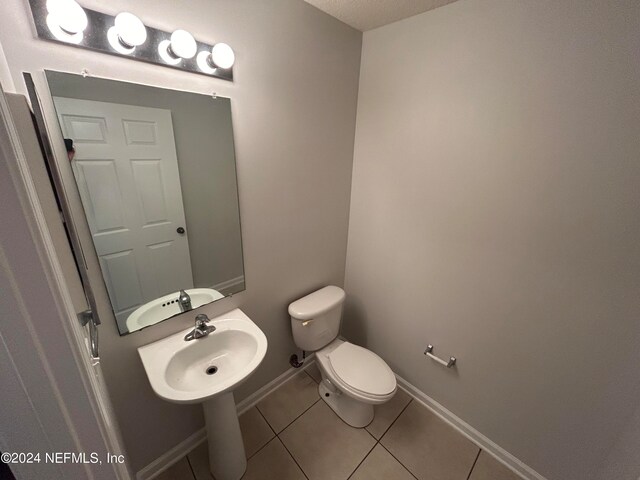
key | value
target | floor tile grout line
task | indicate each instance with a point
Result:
(193, 472)
(305, 371)
(275, 435)
(474, 463)
(398, 460)
(292, 457)
(265, 419)
(362, 461)
(396, 419)
(262, 447)
(289, 424)
(305, 411)
(371, 434)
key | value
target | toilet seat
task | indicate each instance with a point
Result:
(362, 373)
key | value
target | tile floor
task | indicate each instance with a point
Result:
(293, 435)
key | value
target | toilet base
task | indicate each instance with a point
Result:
(351, 411)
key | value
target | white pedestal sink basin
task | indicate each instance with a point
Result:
(206, 371)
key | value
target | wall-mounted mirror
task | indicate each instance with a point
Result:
(155, 171)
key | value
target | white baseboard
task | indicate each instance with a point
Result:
(471, 433)
(163, 462)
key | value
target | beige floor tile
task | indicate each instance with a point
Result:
(199, 461)
(380, 465)
(314, 372)
(178, 471)
(428, 447)
(324, 446)
(256, 432)
(273, 462)
(488, 468)
(386, 413)
(289, 401)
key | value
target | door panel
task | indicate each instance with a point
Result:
(121, 275)
(148, 180)
(86, 129)
(101, 195)
(140, 133)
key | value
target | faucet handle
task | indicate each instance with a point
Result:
(202, 320)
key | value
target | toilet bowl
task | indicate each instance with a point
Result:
(354, 379)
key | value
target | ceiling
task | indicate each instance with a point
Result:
(367, 14)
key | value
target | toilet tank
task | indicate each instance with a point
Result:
(315, 319)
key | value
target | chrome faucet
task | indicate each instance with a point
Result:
(202, 329)
(185, 301)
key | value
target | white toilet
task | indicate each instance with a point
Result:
(354, 379)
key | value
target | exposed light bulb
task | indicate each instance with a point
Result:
(222, 55)
(163, 51)
(68, 14)
(66, 20)
(204, 62)
(127, 33)
(131, 30)
(183, 45)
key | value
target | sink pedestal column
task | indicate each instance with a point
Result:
(227, 458)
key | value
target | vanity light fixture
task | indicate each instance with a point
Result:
(66, 20)
(127, 33)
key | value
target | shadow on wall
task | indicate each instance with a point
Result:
(354, 321)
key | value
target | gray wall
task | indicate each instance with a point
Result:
(495, 214)
(623, 463)
(203, 134)
(294, 107)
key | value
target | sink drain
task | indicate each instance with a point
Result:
(211, 370)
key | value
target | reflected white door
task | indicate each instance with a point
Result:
(126, 168)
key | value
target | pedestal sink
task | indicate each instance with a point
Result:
(206, 371)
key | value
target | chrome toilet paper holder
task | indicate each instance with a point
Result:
(429, 353)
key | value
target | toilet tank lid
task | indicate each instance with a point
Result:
(316, 303)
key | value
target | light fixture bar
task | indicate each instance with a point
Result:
(95, 38)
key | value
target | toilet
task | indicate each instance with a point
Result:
(354, 379)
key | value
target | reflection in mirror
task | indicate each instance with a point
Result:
(155, 172)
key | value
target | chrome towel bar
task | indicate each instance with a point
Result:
(429, 353)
